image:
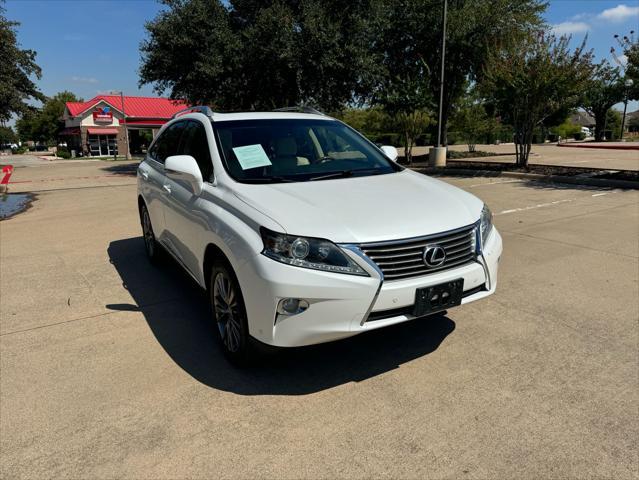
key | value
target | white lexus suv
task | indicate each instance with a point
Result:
(302, 231)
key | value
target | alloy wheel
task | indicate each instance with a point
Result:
(147, 231)
(227, 313)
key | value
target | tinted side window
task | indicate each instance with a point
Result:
(168, 143)
(195, 143)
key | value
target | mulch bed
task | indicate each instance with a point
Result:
(546, 170)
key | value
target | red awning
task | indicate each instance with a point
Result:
(70, 131)
(102, 131)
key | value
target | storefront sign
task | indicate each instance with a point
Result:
(103, 115)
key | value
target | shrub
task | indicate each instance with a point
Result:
(63, 152)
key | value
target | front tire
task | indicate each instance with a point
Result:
(229, 314)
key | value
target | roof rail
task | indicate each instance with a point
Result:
(300, 109)
(206, 110)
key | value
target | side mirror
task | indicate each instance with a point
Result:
(184, 167)
(390, 152)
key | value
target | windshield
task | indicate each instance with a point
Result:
(293, 150)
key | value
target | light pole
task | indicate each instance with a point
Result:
(126, 130)
(628, 83)
(437, 155)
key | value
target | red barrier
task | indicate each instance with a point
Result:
(7, 170)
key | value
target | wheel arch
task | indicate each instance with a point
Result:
(141, 203)
(212, 255)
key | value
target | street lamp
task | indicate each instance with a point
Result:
(628, 83)
(126, 130)
(437, 155)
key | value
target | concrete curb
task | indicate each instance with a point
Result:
(573, 180)
(601, 146)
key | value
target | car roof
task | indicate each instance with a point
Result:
(236, 116)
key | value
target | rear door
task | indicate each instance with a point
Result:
(184, 221)
(154, 179)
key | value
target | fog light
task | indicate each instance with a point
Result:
(291, 306)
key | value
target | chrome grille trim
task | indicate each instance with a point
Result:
(404, 258)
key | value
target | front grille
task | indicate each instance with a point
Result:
(404, 258)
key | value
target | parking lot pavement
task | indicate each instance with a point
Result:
(551, 154)
(109, 368)
(68, 174)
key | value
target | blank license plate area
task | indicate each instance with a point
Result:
(438, 297)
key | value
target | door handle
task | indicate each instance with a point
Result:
(167, 188)
(145, 175)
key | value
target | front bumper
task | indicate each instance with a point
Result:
(345, 305)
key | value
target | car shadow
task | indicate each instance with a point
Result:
(177, 313)
(129, 169)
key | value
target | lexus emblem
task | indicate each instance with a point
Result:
(434, 256)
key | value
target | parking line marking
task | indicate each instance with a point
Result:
(532, 207)
(549, 204)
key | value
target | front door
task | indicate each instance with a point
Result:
(154, 180)
(103, 145)
(182, 215)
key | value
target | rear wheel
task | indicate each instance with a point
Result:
(229, 314)
(150, 243)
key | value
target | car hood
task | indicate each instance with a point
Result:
(364, 209)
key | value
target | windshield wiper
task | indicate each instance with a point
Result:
(347, 173)
(339, 174)
(266, 180)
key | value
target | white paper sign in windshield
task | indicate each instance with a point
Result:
(251, 156)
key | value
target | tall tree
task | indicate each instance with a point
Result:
(530, 82)
(471, 120)
(246, 54)
(17, 66)
(605, 89)
(411, 46)
(44, 124)
(630, 47)
(412, 125)
(7, 136)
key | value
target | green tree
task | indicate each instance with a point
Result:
(44, 124)
(630, 47)
(533, 81)
(258, 55)
(632, 69)
(471, 121)
(17, 66)
(7, 136)
(566, 129)
(412, 125)
(613, 125)
(605, 89)
(410, 47)
(372, 122)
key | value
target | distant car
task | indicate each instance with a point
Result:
(586, 131)
(302, 231)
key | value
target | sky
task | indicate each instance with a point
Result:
(92, 46)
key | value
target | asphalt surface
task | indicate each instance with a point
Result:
(109, 368)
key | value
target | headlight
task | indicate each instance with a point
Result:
(485, 224)
(308, 252)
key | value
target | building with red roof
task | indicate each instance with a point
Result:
(99, 127)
